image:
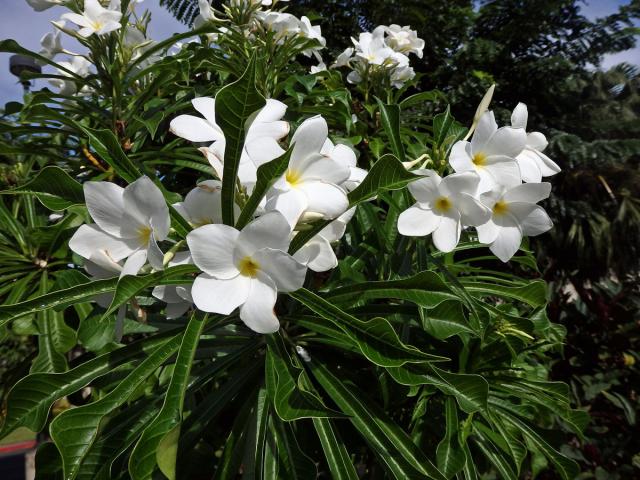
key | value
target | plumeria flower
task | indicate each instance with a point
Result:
(245, 269)
(177, 297)
(443, 206)
(206, 15)
(312, 32)
(51, 45)
(95, 19)
(311, 182)
(78, 65)
(344, 58)
(40, 5)
(491, 154)
(371, 48)
(317, 254)
(261, 138)
(401, 75)
(345, 156)
(284, 24)
(128, 220)
(514, 215)
(532, 162)
(202, 205)
(403, 39)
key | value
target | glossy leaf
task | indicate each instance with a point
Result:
(390, 119)
(235, 104)
(55, 189)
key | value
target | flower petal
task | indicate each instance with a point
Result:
(156, 257)
(460, 157)
(325, 198)
(507, 242)
(317, 254)
(308, 139)
(465, 182)
(220, 295)
(528, 193)
(472, 212)
(272, 111)
(89, 240)
(257, 310)
(536, 223)
(447, 235)
(291, 204)
(134, 263)
(203, 203)
(212, 248)
(485, 129)
(322, 168)
(519, 116)
(286, 272)
(488, 232)
(270, 230)
(206, 106)
(502, 171)
(417, 222)
(506, 141)
(528, 164)
(194, 129)
(105, 204)
(426, 189)
(144, 202)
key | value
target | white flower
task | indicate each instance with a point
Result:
(95, 19)
(202, 205)
(443, 206)
(78, 65)
(245, 269)
(177, 297)
(312, 32)
(371, 48)
(401, 75)
(284, 24)
(40, 5)
(317, 253)
(311, 182)
(403, 39)
(491, 154)
(344, 58)
(532, 162)
(345, 156)
(207, 14)
(51, 45)
(261, 141)
(514, 215)
(128, 221)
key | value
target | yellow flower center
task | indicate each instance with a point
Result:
(500, 208)
(248, 267)
(97, 25)
(292, 177)
(443, 204)
(144, 233)
(479, 159)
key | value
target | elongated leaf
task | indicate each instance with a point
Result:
(159, 441)
(235, 104)
(393, 447)
(130, 285)
(55, 189)
(107, 146)
(471, 391)
(252, 463)
(449, 454)
(445, 320)
(335, 451)
(285, 385)
(74, 431)
(495, 455)
(534, 293)
(49, 359)
(390, 119)
(267, 174)
(426, 289)
(30, 399)
(376, 338)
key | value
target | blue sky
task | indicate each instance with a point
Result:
(20, 22)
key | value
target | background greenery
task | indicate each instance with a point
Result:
(539, 52)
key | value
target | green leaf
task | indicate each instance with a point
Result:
(130, 285)
(446, 130)
(494, 454)
(235, 104)
(286, 386)
(335, 451)
(49, 358)
(390, 119)
(75, 430)
(471, 391)
(449, 455)
(393, 447)
(55, 189)
(159, 441)
(30, 399)
(267, 174)
(426, 289)
(107, 146)
(445, 320)
(533, 293)
(376, 338)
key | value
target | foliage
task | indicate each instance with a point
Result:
(402, 362)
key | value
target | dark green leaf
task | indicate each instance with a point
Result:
(53, 187)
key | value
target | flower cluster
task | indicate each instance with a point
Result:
(382, 54)
(487, 190)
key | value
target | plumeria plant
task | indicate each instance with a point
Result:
(267, 269)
